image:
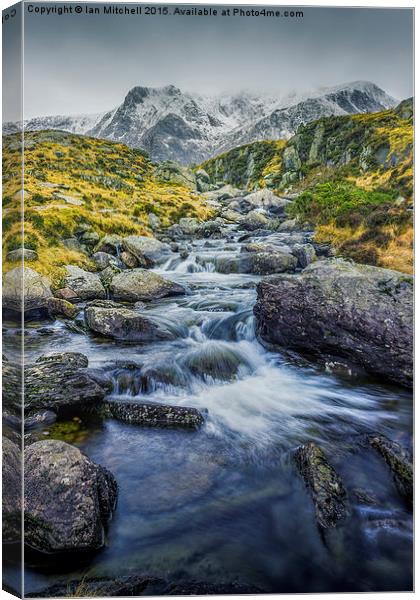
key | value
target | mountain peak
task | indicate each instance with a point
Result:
(170, 123)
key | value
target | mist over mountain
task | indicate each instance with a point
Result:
(189, 128)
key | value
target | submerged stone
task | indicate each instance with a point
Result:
(398, 460)
(327, 490)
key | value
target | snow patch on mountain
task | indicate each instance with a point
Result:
(189, 128)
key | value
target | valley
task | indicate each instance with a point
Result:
(218, 346)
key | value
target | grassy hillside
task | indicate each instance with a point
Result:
(246, 166)
(76, 182)
(354, 176)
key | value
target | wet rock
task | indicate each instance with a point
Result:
(22, 254)
(40, 420)
(103, 260)
(12, 491)
(327, 490)
(364, 497)
(340, 309)
(34, 287)
(154, 414)
(210, 228)
(140, 284)
(148, 251)
(68, 498)
(124, 324)
(257, 263)
(111, 244)
(216, 360)
(254, 220)
(129, 260)
(84, 284)
(59, 382)
(398, 460)
(305, 254)
(62, 308)
(189, 225)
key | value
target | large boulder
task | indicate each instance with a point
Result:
(326, 487)
(12, 491)
(84, 284)
(60, 382)
(68, 498)
(27, 283)
(123, 323)
(339, 309)
(140, 284)
(147, 250)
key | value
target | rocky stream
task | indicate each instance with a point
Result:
(242, 402)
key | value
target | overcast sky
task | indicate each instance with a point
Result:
(86, 64)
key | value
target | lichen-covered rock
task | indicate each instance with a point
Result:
(254, 220)
(173, 172)
(340, 309)
(148, 250)
(154, 414)
(111, 244)
(103, 260)
(84, 284)
(59, 382)
(12, 491)
(327, 490)
(129, 260)
(398, 460)
(257, 263)
(68, 498)
(211, 228)
(189, 225)
(141, 284)
(123, 324)
(23, 282)
(22, 254)
(61, 307)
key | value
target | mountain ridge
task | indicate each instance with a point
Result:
(189, 128)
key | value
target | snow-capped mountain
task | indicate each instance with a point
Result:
(171, 124)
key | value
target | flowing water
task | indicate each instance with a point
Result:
(225, 503)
